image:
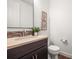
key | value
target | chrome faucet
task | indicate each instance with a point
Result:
(23, 33)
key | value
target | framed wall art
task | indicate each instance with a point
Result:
(44, 21)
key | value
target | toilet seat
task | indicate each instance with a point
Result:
(54, 48)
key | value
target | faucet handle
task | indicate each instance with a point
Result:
(23, 33)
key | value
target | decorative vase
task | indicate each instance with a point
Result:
(36, 33)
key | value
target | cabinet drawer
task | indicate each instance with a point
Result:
(25, 49)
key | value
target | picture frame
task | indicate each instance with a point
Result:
(44, 21)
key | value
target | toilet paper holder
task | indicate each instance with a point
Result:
(64, 40)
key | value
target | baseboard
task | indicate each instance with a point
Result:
(65, 54)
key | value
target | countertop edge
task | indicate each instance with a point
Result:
(18, 45)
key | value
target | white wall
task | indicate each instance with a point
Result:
(39, 6)
(61, 24)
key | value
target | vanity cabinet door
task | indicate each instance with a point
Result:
(27, 57)
(41, 53)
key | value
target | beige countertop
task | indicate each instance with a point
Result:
(19, 41)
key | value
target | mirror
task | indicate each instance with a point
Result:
(20, 13)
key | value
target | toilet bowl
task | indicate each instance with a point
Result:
(54, 50)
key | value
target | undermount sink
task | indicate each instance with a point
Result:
(25, 37)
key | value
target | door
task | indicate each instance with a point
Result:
(42, 53)
(37, 54)
(29, 56)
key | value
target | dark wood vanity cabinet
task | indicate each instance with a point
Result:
(34, 50)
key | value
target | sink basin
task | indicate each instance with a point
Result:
(25, 37)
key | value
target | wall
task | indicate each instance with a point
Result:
(39, 6)
(61, 24)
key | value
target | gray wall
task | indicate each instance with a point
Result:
(61, 24)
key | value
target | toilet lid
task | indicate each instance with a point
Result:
(54, 48)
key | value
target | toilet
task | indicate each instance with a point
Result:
(54, 51)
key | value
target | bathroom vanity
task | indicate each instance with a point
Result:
(34, 47)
